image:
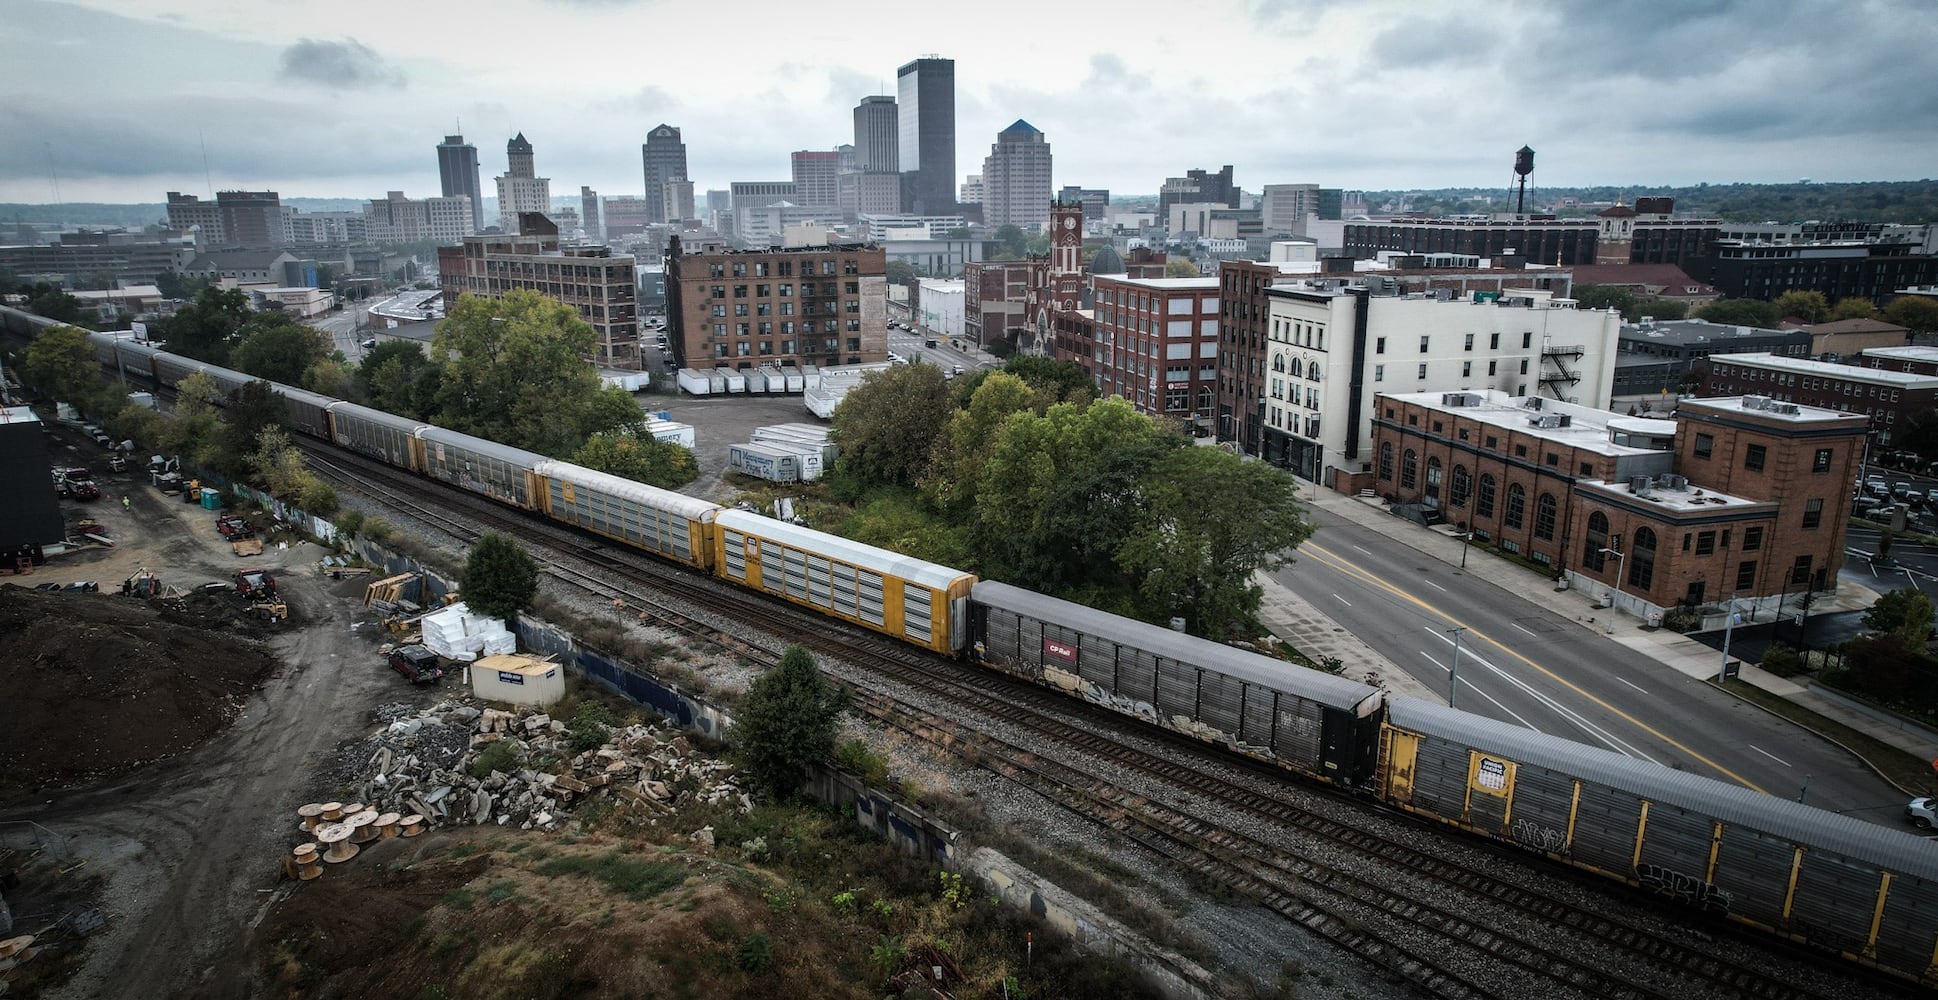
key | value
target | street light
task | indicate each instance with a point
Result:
(1466, 537)
(1729, 627)
(1453, 673)
(1619, 560)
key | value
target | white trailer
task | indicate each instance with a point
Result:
(776, 382)
(667, 430)
(795, 380)
(734, 381)
(695, 382)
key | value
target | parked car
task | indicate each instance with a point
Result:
(1903, 491)
(1922, 812)
(417, 663)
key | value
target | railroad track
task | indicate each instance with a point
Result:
(1357, 911)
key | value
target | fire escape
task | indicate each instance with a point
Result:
(1560, 368)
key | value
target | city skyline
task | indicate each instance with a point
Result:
(111, 103)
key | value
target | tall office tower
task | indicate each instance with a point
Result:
(678, 198)
(1284, 207)
(1016, 179)
(925, 113)
(520, 189)
(252, 218)
(589, 214)
(972, 190)
(457, 170)
(876, 139)
(817, 178)
(664, 156)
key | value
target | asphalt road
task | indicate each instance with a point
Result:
(1530, 666)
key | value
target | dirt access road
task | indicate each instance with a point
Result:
(188, 846)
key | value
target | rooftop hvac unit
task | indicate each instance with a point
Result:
(1564, 420)
(1459, 399)
(1639, 485)
(1787, 409)
(1532, 402)
(1546, 420)
(1675, 482)
(1756, 402)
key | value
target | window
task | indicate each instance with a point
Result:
(1517, 505)
(1746, 574)
(1484, 500)
(1433, 478)
(1527, 341)
(1706, 543)
(1754, 456)
(1705, 445)
(1379, 345)
(1587, 468)
(1470, 343)
(1544, 509)
(1592, 556)
(1554, 460)
(1641, 560)
(1423, 369)
(1752, 539)
(1466, 369)
(1409, 469)
(1493, 368)
(1520, 451)
(1386, 460)
(1813, 512)
(1800, 570)
(1423, 343)
(1379, 373)
(1493, 442)
(1822, 461)
(1524, 371)
(1493, 341)
(1462, 485)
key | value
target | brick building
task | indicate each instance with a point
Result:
(1156, 344)
(1741, 495)
(600, 285)
(745, 308)
(1889, 398)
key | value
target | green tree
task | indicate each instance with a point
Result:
(207, 329)
(390, 376)
(1011, 240)
(514, 371)
(1906, 613)
(273, 346)
(174, 285)
(901, 272)
(1919, 313)
(55, 304)
(251, 410)
(330, 376)
(1661, 309)
(958, 233)
(786, 722)
(1217, 520)
(665, 464)
(500, 578)
(279, 466)
(1613, 297)
(1000, 348)
(1854, 308)
(1811, 307)
(956, 465)
(1064, 381)
(195, 432)
(1180, 267)
(61, 364)
(1741, 312)
(887, 426)
(1037, 245)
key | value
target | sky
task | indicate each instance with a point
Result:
(123, 101)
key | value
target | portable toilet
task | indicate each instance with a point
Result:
(211, 499)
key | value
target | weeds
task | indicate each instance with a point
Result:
(634, 878)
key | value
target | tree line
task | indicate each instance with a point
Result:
(1024, 476)
(1917, 313)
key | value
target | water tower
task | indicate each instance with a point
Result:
(1523, 166)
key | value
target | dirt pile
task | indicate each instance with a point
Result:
(97, 684)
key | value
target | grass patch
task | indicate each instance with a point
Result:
(633, 878)
(1905, 770)
(459, 899)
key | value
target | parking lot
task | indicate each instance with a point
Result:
(720, 422)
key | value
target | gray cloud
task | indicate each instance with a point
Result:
(345, 64)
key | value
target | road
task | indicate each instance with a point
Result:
(1525, 664)
(346, 329)
(913, 345)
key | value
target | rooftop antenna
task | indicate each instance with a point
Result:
(53, 177)
(207, 177)
(1523, 166)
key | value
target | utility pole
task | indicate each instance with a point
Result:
(1453, 673)
(1729, 628)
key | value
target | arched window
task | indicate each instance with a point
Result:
(1312, 371)
(1517, 506)
(1641, 560)
(1592, 556)
(1544, 517)
(1433, 478)
(1386, 460)
(1409, 469)
(1463, 484)
(1484, 500)
(1298, 368)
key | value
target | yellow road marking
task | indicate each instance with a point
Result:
(1349, 568)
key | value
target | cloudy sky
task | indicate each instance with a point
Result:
(120, 101)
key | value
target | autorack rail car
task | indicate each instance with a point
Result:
(498, 471)
(383, 436)
(309, 412)
(668, 524)
(1829, 880)
(919, 602)
(1313, 722)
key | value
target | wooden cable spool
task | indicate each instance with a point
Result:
(332, 811)
(337, 838)
(311, 815)
(387, 825)
(412, 825)
(363, 827)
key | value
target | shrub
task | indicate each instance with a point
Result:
(871, 767)
(756, 953)
(497, 757)
(1782, 661)
(349, 522)
(590, 727)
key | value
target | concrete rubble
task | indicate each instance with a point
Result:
(421, 763)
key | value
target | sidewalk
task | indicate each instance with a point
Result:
(1300, 623)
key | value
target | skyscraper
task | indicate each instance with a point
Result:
(457, 170)
(817, 178)
(664, 157)
(520, 189)
(925, 114)
(876, 139)
(589, 214)
(1016, 179)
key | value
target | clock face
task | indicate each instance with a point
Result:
(1069, 222)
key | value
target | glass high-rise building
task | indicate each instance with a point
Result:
(664, 158)
(457, 171)
(926, 119)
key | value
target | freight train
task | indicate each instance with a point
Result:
(1829, 881)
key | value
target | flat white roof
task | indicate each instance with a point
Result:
(1902, 353)
(1804, 413)
(18, 415)
(1828, 369)
(1684, 499)
(1165, 284)
(1588, 428)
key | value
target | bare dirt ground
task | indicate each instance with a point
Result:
(187, 849)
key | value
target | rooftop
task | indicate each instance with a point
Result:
(1858, 326)
(1827, 369)
(1168, 284)
(1677, 495)
(1764, 406)
(1699, 331)
(1583, 427)
(1925, 354)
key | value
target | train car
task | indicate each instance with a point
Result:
(171, 369)
(915, 601)
(228, 381)
(1312, 722)
(103, 343)
(136, 359)
(382, 436)
(1840, 883)
(309, 412)
(668, 524)
(498, 471)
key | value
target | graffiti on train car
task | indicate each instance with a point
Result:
(1541, 838)
(1706, 897)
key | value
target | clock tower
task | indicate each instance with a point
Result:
(1066, 256)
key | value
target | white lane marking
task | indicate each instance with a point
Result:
(1342, 600)
(1524, 628)
(1367, 551)
(1614, 742)
(1626, 681)
(1468, 686)
(1768, 754)
(1435, 586)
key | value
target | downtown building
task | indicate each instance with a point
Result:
(925, 110)
(397, 219)
(663, 156)
(590, 279)
(234, 219)
(819, 305)
(457, 175)
(1016, 179)
(1888, 398)
(1739, 496)
(872, 184)
(521, 191)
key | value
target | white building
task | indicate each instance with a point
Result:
(1016, 179)
(1526, 343)
(971, 192)
(940, 302)
(935, 227)
(397, 219)
(519, 188)
(1283, 208)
